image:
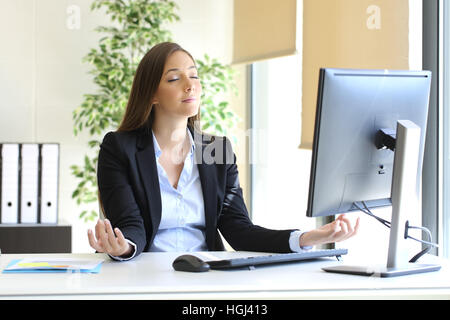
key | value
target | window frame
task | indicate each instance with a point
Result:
(445, 128)
(435, 55)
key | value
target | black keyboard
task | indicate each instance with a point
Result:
(275, 258)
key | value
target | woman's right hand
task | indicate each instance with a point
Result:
(108, 241)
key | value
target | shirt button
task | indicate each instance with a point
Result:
(180, 196)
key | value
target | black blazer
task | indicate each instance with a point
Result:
(130, 193)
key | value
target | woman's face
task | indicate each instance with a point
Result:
(179, 91)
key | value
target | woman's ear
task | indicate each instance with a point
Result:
(155, 99)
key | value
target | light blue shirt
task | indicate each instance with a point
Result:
(182, 226)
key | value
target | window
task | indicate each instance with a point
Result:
(280, 170)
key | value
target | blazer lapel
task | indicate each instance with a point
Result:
(146, 161)
(208, 180)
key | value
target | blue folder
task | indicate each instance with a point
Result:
(96, 269)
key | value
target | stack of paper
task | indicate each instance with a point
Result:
(54, 265)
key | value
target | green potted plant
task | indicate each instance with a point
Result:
(137, 26)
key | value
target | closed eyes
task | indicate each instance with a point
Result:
(175, 79)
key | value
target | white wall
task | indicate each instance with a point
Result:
(42, 78)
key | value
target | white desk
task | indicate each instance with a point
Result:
(150, 276)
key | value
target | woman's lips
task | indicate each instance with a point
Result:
(188, 100)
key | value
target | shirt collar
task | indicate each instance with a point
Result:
(158, 149)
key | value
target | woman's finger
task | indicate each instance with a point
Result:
(344, 229)
(349, 226)
(103, 236)
(350, 231)
(355, 228)
(111, 236)
(98, 227)
(120, 238)
(92, 242)
(98, 230)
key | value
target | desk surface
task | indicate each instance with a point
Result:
(150, 276)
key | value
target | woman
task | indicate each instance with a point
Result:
(165, 186)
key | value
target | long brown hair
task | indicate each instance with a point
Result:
(145, 83)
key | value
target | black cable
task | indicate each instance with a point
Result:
(386, 223)
(429, 243)
(420, 254)
(368, 212)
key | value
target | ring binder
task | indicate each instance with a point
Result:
(29, 183)
(49, 160)
(9, 183)
(29, 177)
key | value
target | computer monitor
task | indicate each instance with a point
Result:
(368, 148)
(352, 106)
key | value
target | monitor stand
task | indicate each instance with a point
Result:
(404, 202)
(384, 272)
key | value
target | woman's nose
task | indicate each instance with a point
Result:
(189, 86)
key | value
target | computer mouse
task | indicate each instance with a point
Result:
(190, 263)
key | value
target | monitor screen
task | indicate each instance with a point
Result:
(352, 106)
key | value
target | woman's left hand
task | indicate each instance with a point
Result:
(338, 230)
